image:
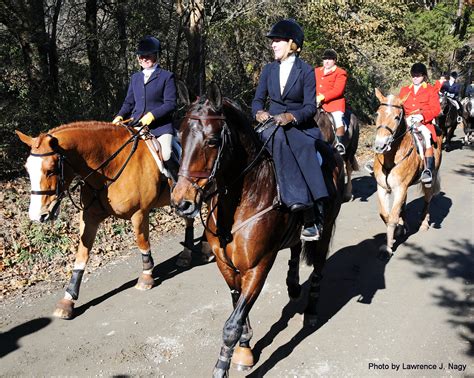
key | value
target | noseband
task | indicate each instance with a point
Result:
(59, 171)
(194, 176)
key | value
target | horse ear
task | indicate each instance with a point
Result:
(53, 142)
(214, 95)
(24, 138)
(183, 92)
(379, 95)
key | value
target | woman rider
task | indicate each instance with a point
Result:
(289, 84)
(151, 98)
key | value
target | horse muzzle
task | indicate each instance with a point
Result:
(186, 208)
(382, 145)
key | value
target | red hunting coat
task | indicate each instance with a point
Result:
(424, 102)
(331, 86)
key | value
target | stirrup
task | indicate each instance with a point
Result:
(426, 176)
(340, 148)
(310, 233)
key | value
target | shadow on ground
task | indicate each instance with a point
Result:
(353, 271)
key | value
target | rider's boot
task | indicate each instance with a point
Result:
(427, 174)
(340, 145)
(313, 222)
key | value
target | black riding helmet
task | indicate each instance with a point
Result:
(288, 29)
(419, 69)
(330, 54)
(148, 45)
(454, 75)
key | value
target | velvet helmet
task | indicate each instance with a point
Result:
(148, 45)
(454, 75)
(418, 69)
(288, 29)
(329, 54)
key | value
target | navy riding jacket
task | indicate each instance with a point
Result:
(157, 96)
(454, 89)
(299, 95)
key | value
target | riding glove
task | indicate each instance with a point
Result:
(284, 119)
(414, 118)
(117, 120)
(262, 116)
(319, 98)
(147, 119)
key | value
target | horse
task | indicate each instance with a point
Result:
(468, 119)
(117, 176)
(226, 166)
(397, 165)
(447, 120)
(323, 120)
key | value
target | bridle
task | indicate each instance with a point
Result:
(194, 176)
(393, 132)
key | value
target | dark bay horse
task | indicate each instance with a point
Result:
(128, 186)
(222, 165)
(447, 119)
(397, 165)
(324, 123)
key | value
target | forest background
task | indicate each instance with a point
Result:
(70, 60)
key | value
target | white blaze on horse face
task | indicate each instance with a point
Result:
(33, 166)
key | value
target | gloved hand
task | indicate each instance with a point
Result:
(147, 119)
(117, 120)
(262, 116)
(284, 119)
(414, 118)
(319, 98)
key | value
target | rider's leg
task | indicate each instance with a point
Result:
(340, 131)
(427, 175)
(169, 159)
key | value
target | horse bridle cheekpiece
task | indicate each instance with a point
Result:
(208, 174)
(392, 132)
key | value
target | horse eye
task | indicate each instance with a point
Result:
(50, 173)
(213, 142)
(397, 118)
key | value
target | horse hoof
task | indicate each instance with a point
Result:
(347, 197)
(206, 253)
(183, 261)
(64, 309)
(145, 282)
(242, 359)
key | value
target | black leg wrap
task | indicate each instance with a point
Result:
(224, 358)
(147, 260)
(75, 283)
(189, 237)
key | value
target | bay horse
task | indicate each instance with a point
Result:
(225, 165)
(447, 119)
(468, 119)
(118, 176)
(397, 165)
(323, 120)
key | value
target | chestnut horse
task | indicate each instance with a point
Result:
(118, 176)
(397, 165)
(225, 165)
(447, 120)
(324, 123)
(468, 119)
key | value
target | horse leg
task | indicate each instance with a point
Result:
(425, 214)
(402, 226)
(140, 222)
(251, 284)
(185, 257)
(87, 230)
(348, 186)
(383, 201)
(242, 358)
(400, 195)
(293, 277)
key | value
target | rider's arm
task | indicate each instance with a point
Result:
(339, 85)
(433, 109)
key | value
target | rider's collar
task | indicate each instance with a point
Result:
(423, 85)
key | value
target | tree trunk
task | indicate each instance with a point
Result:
(95, 66)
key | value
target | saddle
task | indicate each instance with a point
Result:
(154, 147)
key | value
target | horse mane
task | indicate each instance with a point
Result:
(90, 125)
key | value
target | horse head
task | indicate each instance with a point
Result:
(204, 135)
(390, 118)
(45, 168)
(468, 107)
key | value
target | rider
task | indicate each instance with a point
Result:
(151, 98)
(439, 83)
(452, 89)
(421, 106)
(330, 85)
(289, 84)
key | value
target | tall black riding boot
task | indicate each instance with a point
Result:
(427, 175)
(172, 166)
(340, 145)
